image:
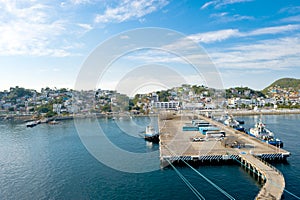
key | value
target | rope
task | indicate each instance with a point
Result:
(194, 190)
(213, 184)
(204, 177)
(292, 194)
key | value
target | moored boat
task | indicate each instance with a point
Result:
(261, 132)
(151, 135)
(53, 122)
(229, 120)
(31, 124)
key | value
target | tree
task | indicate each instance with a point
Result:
(18, 92)
(198, 89)
(163, 95)
(106, 108)
(45, 108)
(50, 114)
(63, 90)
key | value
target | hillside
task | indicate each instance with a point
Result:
(284, 83)
(243, 92)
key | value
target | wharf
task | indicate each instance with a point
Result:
(177, 145)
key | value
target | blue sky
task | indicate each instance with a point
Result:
(45, 42)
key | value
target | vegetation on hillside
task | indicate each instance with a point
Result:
(243, 92)
(284, 83)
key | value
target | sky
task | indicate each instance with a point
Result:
(47, 42)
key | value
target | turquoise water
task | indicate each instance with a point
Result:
(50, 162)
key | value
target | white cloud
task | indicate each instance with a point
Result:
(290, 10)
(207, 4)
(217, 15)
(225, 17)
(160, 56)
(274, 30)
(222, 3)
(127, 10)
(214, 36)
(36, 29)
(26, 29)
(78, 2)
(291, 19)
(220, 35)
(280, 53)
(85, 27)
(272, 54)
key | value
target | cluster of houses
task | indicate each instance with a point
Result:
(274, 97)
(20, 100)
(284, 95)
(64, 101)
(183, 97)
(58, 101)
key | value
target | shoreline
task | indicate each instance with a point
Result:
(29, 117)
(263, 112)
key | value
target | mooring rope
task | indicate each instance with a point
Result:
(204, 177)
(194, 190)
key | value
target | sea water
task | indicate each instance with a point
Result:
(51, 162)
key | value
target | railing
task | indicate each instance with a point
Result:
(268, 164)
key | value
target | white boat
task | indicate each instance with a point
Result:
(31, 124)
(53, 122)
(151, 134)
(261, 132)
(229, 120)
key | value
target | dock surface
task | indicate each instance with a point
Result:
(176, 145)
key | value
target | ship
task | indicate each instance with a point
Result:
(262, 133)
(32, 123)
(229, 120)
(53, 122)
(151, 135)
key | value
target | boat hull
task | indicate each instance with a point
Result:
(152, 138)
(277, 143)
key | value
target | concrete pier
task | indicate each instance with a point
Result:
(177, 145)
(273, 179)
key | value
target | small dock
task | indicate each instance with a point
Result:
(178, 145)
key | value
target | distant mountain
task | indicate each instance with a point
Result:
(284, 83)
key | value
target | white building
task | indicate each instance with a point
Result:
(57, 108)
(166, 105)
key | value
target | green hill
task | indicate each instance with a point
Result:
(284, 83)
(243, 92)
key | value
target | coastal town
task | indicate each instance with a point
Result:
(49, 102)
(150, 99)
